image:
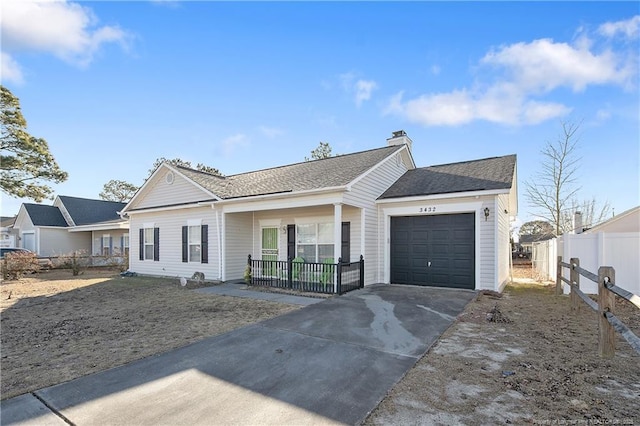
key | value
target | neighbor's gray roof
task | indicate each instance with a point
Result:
(6, 221)
(42, 215)
(85, 211)
(478, 175)
(326, 173)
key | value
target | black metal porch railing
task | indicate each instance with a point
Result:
(328, 278)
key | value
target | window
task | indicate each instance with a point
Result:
(195, 246)
(125, 244)
(148, 243)
(195, 237)
(315, 242)
(106, 245)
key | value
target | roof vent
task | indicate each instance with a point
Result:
(399, 137)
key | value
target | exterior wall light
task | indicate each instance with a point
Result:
(486, 214)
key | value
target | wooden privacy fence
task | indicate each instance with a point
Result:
(608, 323)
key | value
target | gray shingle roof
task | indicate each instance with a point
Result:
(478, 175)
(310, 175)
(86, 211)
(42, 215)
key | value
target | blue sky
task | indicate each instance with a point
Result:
(242, 86)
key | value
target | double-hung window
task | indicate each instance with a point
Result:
(150, 243)
(195, 246)
(195, 239)
(125, 245)
(106, 245)
(315, 242)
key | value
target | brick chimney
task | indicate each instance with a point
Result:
(399, 138)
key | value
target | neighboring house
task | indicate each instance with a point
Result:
(627, 221)
(442, 226)
(615, 242)
(73, 224)
(525, 244)
(8, 237)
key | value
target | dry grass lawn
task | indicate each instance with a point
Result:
(55, 327)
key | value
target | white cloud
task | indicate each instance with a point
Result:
(542, 66)
(10, 71)
(66, 30)
(363, 90)
(524, 76)
(629, 28)
(360, 89)
(462, 107)
(271, 132)
(230, 144)
(435, 69)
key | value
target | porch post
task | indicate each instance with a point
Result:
(337, 238)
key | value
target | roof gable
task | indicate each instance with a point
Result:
(42, 215)
(494, 173)
(627, 221)
(332, 172)
(84, 211)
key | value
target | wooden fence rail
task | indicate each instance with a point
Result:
(608, 323)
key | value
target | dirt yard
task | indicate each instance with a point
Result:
(539, 367)
(55, 327)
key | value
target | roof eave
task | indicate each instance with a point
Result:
(443, 196)
(283, 195)
(101, 226)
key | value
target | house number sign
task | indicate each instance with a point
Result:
(427, 209)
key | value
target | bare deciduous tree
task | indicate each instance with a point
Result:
(554, 185)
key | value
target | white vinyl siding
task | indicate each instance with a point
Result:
(503, 240)
(238, 243)
(364, 194)
(59, 241)
(170, 224)
(160, 193)
(488, 279)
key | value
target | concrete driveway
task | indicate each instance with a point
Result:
(328, 363)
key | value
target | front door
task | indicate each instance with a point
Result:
(269, 249)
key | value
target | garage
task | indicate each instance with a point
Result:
(434, 250)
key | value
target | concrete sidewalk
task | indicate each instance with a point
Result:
(327, 363)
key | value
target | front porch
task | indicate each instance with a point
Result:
(296, 274)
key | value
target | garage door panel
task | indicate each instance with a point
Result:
(439, 250)
(441, 235)
(446, 241)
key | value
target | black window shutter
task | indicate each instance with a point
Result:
(291, 241)
(346, 242)
(156, 244)
(204, 235)
(185, 243)
(141, 243)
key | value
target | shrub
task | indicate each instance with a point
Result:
(15, 265)
(74, 261)
(247, 274)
